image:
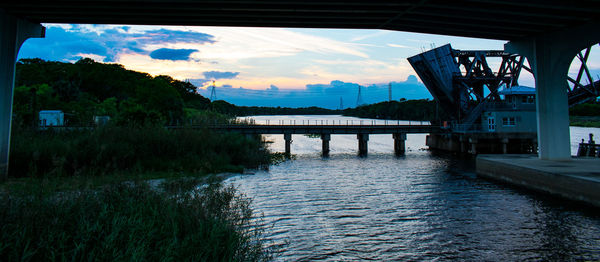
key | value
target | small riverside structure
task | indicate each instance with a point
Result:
(505, 126)
(51, 118)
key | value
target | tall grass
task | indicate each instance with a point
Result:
(110, 149)
(131, 222)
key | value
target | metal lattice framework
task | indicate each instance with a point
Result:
(476, 73)
(583, 87)
(470, 74)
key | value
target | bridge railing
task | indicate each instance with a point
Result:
(329, 122)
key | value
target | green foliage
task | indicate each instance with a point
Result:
(87, 88)
(422, 109)
(55, 153)
(587, 109)
(132, 222)
(585, 121)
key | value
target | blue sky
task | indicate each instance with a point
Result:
(261, 66)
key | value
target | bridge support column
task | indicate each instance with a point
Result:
(550, 56)
(399, 143)
(325, 138)
(363, 141)
(288, 145)
(13, 33)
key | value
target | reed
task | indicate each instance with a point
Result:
(132, 222)
(114, 149)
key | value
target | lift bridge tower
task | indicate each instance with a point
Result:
(463, 82)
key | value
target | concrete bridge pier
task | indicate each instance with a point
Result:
(550, 55)
(325, 138)
(288, 144)
(13, 33)
(363, 141)
(399, 143)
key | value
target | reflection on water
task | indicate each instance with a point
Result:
(418, 207)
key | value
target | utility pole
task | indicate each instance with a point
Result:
(359, 97)
(213, 92)
(390, 92)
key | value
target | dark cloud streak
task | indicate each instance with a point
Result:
(220, 75)
(172, 54)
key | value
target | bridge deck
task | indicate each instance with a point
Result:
(327, 129)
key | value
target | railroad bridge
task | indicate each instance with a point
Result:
(325, 131)
(548, 33)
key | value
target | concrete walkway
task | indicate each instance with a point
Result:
(576, 179)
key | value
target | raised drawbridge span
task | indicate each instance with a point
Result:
(460, 79)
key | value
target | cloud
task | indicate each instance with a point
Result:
(273, 88)
(172, 54)
(402, 46)
(220, 75)
(71, 42)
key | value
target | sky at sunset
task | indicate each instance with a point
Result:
(261, 66)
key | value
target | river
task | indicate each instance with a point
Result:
(422, 206)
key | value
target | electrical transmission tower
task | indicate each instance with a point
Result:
(341, 103)
(213, 92)
(390, 92)
(359, 100)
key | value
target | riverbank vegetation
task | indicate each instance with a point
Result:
(132, 222)
(81, 192)
(586, 115)
(423, 109)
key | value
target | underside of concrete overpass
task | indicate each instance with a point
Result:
(494, 19)
(548, 32)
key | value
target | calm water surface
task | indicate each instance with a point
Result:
(418, 207)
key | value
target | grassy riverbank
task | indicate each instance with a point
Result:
(132, 222)
(585, 121)
(111, 150)
(83, 195)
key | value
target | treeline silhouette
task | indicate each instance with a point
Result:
(422, 109)
(86, 88)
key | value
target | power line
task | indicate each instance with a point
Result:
(213, 92)
(359, 100)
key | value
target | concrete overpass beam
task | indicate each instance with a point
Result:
(325, 138)
(13, 33)
(550, 56)
(399, 143)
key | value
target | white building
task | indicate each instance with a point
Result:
(51, 118)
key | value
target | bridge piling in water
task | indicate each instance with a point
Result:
(325, 138)
(399, 143)
(288, 144)
(363, 141)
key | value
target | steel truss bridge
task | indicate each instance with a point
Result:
(457, 79)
